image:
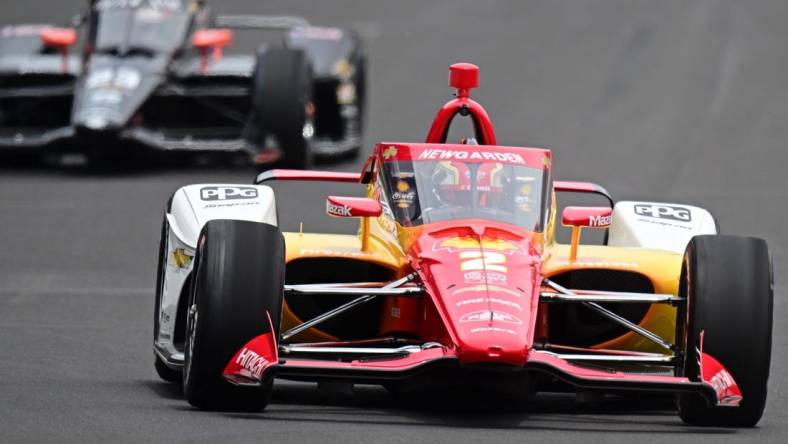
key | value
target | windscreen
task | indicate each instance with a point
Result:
(423, 192)
(152, 27)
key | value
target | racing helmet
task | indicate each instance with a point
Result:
(452, 183)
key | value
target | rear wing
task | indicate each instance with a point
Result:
(307, 176)
(272, 22)
(583, 187)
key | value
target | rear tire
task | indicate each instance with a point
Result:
(282, 92)
(238, 277)
(727, 281)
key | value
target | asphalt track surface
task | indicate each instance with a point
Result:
(680, 101)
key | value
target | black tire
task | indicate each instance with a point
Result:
(281, 92)
(164, 372)
(238, 275)
(727, 281)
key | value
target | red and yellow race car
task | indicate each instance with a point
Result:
(456, 275)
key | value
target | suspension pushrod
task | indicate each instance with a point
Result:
(342, 308)
(626, 323)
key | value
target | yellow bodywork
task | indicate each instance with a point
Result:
(385, 241)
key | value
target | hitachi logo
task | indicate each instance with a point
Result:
(252, 362)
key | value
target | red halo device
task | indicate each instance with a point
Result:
(464, 77)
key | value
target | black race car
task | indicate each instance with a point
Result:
(168, 75)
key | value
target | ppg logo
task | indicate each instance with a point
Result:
(228, 193)
(681, 214)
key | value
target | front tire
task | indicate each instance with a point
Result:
(238, 277)
(728, 283)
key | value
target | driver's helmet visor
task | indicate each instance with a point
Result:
(421, 192)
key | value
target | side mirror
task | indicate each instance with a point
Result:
(338, 206)
(211, 39)
(60, 38)
(581, 217)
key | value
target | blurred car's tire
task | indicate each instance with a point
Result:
(282, 91)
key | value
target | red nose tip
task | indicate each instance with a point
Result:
(464, 76)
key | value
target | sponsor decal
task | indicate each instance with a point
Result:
(404, 196)
(472, 289)
(120, 79)
(670, 212)
(490, 315)
(443, 154)
(390, 152)
(503, 302)
(492, 277)
(473, 243)
(600, 221)
(482, 261)
(230, 204)
(338, 210)
(336, 253)
(181, 258)
(170, 5)
(21, 31)
(346, 94)
(227, 193)
(722, 381)
(318, 33)
(487, 288)
(251, 362)
(493, 330)
(599, 264)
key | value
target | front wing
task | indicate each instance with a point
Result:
(259, 361)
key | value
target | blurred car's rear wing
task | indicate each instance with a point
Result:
(260, 22)
(308, 175)
(583, 187)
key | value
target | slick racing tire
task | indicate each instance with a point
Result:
(728, 285)
(238, 276)
(281, 96)
(164, 372)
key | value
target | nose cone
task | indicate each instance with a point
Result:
(97, 123)
(110, 93)
(485, 285)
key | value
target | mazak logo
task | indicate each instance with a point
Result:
(681, 214)
(600, 221)
(227, 193)
(338, 210)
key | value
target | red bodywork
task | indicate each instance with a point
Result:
(483, 281)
